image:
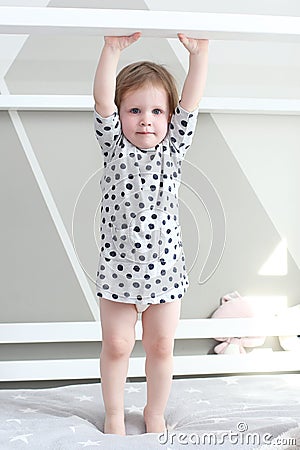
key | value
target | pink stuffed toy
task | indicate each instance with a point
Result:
(235, 306)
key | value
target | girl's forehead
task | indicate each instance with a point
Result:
(145, 93)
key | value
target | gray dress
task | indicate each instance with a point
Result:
(141, 254)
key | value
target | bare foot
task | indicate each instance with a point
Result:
(155, 423)
(114, 424)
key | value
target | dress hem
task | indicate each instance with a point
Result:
(133, 302)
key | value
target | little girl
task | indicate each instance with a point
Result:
(144, 132)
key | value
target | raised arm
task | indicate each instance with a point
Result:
(196, 78)
(105, 76)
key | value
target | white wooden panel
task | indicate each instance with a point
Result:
(207, 105)
(47, 102)
(259, 360)
(72, 369)
(256, 361)
(28, 20)
(187, 329)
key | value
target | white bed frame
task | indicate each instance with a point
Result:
(18, 20)
(258, 360)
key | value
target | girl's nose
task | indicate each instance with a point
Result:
(145, 122)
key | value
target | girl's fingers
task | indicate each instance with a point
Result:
(122, 42)
(136, 35)
(183, 39)
(193, 45)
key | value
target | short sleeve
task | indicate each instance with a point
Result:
(182, 129)
(108, 131)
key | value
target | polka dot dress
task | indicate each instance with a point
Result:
(141, 253)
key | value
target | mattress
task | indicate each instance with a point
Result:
(230, 412)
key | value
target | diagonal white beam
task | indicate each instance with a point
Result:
(231, 105)
(29, 20)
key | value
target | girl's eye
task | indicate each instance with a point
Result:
(134, 110)
(156, 111)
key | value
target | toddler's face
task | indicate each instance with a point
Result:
(144, 114)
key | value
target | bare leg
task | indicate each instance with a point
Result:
(159, 326)
(118, 337)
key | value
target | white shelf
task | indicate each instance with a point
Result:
(207, 105)
(39, 20)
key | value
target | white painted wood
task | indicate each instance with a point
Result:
(50, 332)
(207, 105)
(29, 20)
(259, 360)
(46, 102)
(73, 369)
(16, 333)
(250, 105)
(252, 362)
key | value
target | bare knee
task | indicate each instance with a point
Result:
(159, 348)
(117, 347)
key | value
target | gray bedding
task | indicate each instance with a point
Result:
(237, 412)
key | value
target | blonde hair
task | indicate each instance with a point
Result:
(141, 73)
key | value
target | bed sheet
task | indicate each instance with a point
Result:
(231, 412)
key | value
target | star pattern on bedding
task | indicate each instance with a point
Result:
(192, 390)
(14, 420)
(28, 410)
(132, 389)
(134, 408)
(213, 405)
(245, 406)
(202, 401)
(231, 380)
(219, 420)
(21, 437)
(90, 443)
(84, 398)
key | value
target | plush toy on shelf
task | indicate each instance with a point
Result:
(235, 306)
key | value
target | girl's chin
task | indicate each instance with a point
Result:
(145, 143)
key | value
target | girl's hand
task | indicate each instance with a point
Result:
(194, 46)
(121, 42)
